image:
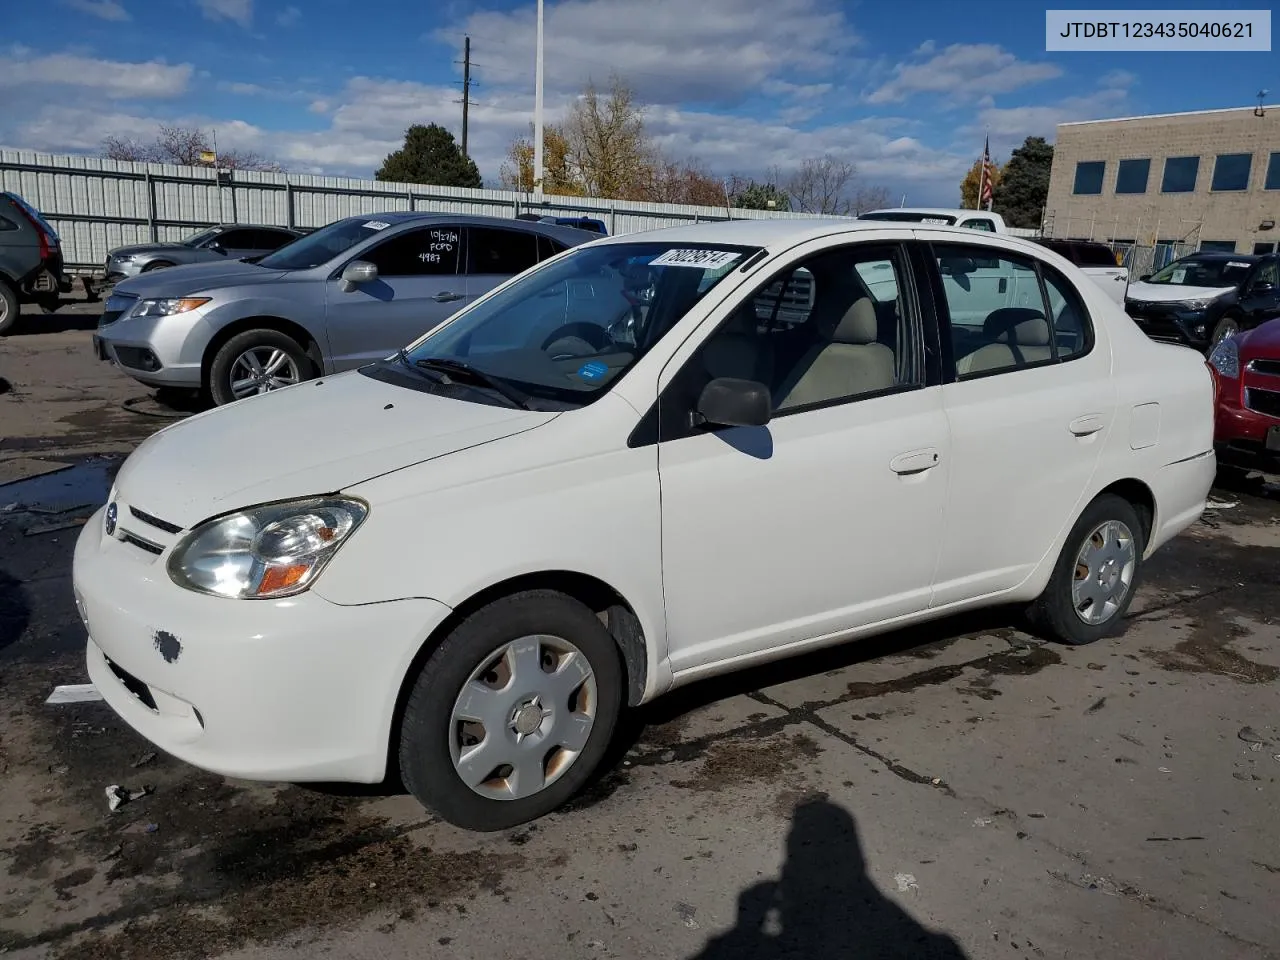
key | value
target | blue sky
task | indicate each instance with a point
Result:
(906, 90)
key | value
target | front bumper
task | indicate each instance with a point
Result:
(156, 351)
(298, 689)
(1171, 325)
(1245, 438)
(118, 270)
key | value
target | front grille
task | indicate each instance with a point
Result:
(117, 304)
(137, 358)
(156, 522)
(1263, 401)
(1269, 367)
(141, 543)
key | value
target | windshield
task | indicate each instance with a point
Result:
(565, 332)
(908, 216)
(323, 245)
(204, 236)
(1202, 273)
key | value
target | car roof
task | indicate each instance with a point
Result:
(570, 235)
(787, 232)
(934, 211)
(1223, 255)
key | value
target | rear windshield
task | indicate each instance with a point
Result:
(1094, 255)
(34, 214)
(908, 216)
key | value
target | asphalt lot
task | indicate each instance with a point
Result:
(958, 790)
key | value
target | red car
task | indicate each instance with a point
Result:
(1246, 368)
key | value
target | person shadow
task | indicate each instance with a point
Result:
(824, 906)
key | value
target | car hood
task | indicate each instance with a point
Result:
(1263, 340)
(145, 248)
(317, 437)
(1172, 292)
(192, 278)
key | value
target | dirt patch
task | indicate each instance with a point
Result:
(1208, 650)
(1018, 662)
(728, 763)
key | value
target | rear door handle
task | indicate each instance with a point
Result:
(1087, 425)
(444, 296)
(915, 461)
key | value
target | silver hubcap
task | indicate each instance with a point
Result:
(260, 369)
(1104, 572)
(4, 309)
(523, 717)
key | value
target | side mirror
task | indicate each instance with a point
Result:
(1263, 287)
(1145, 277)
(217, 247)
(729, 402)
(357, 272)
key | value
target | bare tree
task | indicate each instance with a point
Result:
(607, 142)
(187, 146)
(830, 186)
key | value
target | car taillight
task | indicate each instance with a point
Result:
(40, 232)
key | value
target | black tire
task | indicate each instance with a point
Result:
(156, 265)
(426, 765)
(9, 308)
(219, 385)
(1224, 327)
(1054, 611)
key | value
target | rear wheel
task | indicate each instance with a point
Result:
(156, 265)
(513, 712)
(1094, 579)
(8, 307)
(254, 362)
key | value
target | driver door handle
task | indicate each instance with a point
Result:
(1087, 425)
(915, 461)
(444, 296)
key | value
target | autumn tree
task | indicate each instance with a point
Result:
(558, 177)
(429, 155)
(188, 146)
(972, 182)
(831, 186)
(1024, 183)
(609, 149)
(682, 181)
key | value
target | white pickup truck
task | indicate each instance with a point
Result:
(1095, 260)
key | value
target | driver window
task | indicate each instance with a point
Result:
(1268, 273)
(425, 252)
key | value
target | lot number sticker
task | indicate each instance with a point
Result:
(699, 259)
(376, 225)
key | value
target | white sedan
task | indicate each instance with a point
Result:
(651, 459)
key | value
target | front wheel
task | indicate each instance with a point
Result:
(9, 307)
(1094, 579)
(254, 362)
(512, 713)
(1226, 327)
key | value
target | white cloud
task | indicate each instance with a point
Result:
(963, 71)
(239, 11)
(102, 9)
(288, 16)
(799, 91)
(670, 51)
(1009, 126)
(109, 78)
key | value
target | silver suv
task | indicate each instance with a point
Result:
(351, 292)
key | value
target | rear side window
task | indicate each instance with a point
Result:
(548, 248)
(271, 239)
(983, 224)
(505, 252)
(1094, 255)
(7, 224)
(1018, 314)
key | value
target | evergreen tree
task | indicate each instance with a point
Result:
(429, 155)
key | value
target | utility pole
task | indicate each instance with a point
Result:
(466, 91)
(537, 116)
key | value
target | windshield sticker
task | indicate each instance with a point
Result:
(593, 370)
(699, 259)
(941, 220)
(376, 225)
(1237, 263)
(1179, 275)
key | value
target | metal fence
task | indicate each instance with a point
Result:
(1143, 259)
(96, 204)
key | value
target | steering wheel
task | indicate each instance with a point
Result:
(579, 339)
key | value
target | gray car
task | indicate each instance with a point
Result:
(30, 260)
(351, 292)
(223, 242)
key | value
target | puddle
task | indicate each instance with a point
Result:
(84, 484)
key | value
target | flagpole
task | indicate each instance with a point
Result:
(537, 115)
(982, 180)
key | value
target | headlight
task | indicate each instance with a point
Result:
(264, 552)
(1225, 358)
(1196, 305)
(125, 257)
(166, 308)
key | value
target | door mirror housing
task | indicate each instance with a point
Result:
(217, 247)
(729, 402)
(357, 272)
(1145, 277)
(1262, 286)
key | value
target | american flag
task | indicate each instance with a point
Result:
(984, 181)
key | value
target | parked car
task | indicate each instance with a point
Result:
(348, 293)
(30, 260)
(223, 242)
(1200, 299)
(984, 220)
(1247, 368)
(1095, 260)
(582, 223)
(470, 556)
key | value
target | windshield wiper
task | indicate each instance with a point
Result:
(451, 368)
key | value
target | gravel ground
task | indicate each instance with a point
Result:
(956, 790)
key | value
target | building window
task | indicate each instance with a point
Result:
(1180, 175)
(1089, 176)
(1262, 249)
(1132, 176)
(1231, 171)
(1217, 246)
(1273, 173)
